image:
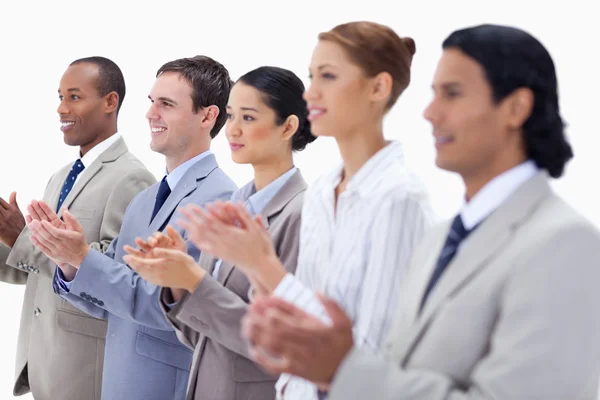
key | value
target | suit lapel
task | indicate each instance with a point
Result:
(292, 187)
(474, 254)
(188, 183)
(116, 150)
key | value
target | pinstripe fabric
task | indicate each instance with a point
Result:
(358, 250)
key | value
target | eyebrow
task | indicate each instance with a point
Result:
(164, 99)
(243, 108)
(447, 85)
(71, 90)
(320, 67)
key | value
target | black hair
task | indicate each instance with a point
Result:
(110, 77)
(282, 91)
(513, 59)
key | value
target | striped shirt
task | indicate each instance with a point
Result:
(358, 250)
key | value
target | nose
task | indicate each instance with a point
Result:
(152, 114)
(432, 112)
(232, 128)
(62, 108)
(311, 93)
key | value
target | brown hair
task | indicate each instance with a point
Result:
(376, 48)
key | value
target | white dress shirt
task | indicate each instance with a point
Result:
(495, 192)
(95, 152)
(358, 250)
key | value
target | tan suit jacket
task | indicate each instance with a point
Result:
(515, 316)
(209, 319)
(60, 350)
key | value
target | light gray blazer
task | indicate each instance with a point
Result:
(143, 358)
(209, 320)
(516, 315)
(56, 340)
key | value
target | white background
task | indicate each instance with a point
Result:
(38, 39)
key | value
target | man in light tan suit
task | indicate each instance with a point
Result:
(60, 349)
(502, 302)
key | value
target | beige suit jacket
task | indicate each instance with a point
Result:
(515, 316)
(209, 320)
(60, 350)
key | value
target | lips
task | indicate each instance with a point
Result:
(235, 146)
(157, 130)
(65, 125)
(315, 112)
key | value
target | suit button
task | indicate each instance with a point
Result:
(36, 271)
(82, 295)
(100, 303)
(36, 312)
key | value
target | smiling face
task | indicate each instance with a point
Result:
(176, 130)
(474, 135)
(252, 131)
(84, 114)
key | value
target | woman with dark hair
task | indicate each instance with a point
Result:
(361, 221)
(266, 122)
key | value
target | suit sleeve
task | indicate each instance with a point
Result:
(186, 335)
(545, 344)
(217, 312)
(114, 287)
(9, 274)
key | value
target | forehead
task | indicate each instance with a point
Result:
(455, 66)
(244, 95)
(327, 52)
(171, 85)
(82, 76)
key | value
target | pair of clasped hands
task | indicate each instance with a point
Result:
(301, 343)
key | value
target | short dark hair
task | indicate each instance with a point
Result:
(513, 59)
(110, 77)
(282, 91)
(210, 84)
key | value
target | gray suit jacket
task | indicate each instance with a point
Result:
(515, 315)
(209, 319)
(143, 358)
(55, 339)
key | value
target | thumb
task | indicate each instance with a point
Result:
(71, 221)
(13, 199)
(337, 315)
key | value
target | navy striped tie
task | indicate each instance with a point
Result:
(456, 235)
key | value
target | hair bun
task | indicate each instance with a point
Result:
(410, 44)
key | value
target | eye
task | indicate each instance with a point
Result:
(166, 104)
(229, 116)
(248, 118)
(74, 97)
(310, 76)
(60, 98)
(328, 76)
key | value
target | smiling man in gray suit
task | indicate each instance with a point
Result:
(502, 302)
(56, 339)
(143, 357)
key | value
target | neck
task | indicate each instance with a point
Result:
(483, 175)
(265, 174)
(175, 161)
(83, 149)
(356, 149)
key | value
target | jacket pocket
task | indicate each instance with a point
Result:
(164, 352)
(82, 324)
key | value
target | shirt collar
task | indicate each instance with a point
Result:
(495, 192)
(363, 180)
(257, 201)
(175, 176)
(98, 149)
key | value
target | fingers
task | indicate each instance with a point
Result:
(13, 199)
(336, 313)
(177, 239)
(145, 247)
(3, 204)
(135, 252)
(38, 211)
(48, 212)
(44, 249)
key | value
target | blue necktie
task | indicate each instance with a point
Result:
(456, 235)
(69, 182)
(161, 196)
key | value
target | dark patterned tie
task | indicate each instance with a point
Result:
(456, 235)
(69, 182)
(163, 192)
